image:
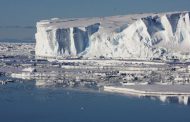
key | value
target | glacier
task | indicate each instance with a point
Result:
(137, 36)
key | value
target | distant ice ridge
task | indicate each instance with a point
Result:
(141, 36)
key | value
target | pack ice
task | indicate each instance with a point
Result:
(140, 36)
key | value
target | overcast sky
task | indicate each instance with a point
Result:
(27, 12)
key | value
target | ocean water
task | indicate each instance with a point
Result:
(17, 34)
(24, 102)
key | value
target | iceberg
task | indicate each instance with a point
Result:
(138, 36)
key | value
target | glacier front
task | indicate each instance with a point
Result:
(138, 36)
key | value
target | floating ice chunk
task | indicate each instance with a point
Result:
(132, 36)
(29, 69)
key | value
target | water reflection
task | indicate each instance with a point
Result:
(29, 87)
(181, 99)
(177, 99)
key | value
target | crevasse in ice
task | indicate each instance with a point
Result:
(126, 36)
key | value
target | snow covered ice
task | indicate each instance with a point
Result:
(132, 50)
(139, 36)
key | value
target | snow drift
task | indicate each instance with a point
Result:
(141, 36)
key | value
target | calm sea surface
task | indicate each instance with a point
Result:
(24, 102)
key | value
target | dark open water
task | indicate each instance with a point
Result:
(24, 102)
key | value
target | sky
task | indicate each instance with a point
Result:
(28, 12)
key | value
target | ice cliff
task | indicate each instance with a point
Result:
(142, 36)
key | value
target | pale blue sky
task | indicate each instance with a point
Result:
(27, 12)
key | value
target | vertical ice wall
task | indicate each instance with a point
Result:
(146, 37)
(63, 41)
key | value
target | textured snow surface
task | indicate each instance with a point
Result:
(140, 36)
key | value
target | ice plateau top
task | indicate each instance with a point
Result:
(141, 36)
